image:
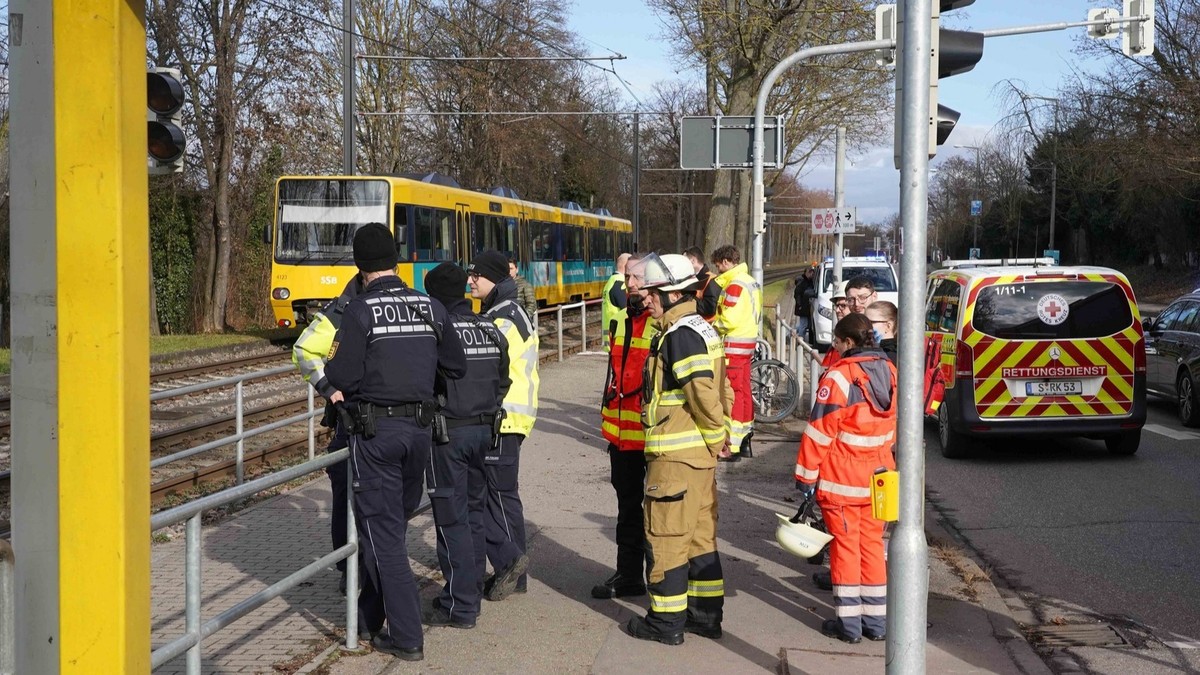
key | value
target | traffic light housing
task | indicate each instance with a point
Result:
(165, 141)
(952, 52)
(768, 205)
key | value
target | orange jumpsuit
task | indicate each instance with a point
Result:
(850, 435)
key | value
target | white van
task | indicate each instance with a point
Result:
(876, 268)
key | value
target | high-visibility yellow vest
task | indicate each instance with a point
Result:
(521, 402)
(610, 312)
(739, 311)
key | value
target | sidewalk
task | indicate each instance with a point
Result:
(772, 612)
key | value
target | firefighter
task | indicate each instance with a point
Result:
(392, 344)
(849, 436)
(739, 315)
(687, 403)
(455, 478)
(505, 518)
(310, 353)
(621, 426)
(614, 300)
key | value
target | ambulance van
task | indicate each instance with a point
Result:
(1031, 349)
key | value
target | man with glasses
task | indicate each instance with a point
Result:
(860, 292)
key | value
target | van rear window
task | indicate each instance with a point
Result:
(1051, 310)
(881, 277)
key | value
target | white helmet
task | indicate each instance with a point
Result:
(668, 272)
(800, 539)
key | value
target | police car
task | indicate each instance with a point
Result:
(875, 268)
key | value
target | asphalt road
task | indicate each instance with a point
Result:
(1076, 531)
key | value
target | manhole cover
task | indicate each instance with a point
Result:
(1075, 635)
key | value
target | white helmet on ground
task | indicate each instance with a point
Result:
(800, 539)
(668, 272)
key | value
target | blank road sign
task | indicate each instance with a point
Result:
(727, 143)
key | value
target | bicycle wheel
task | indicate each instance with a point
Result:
(775, 390)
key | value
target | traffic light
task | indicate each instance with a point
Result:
(952, 52)
(768, 205)
(166, 141)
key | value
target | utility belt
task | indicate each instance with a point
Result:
(442, 425)
(360, 418)
(477, 420)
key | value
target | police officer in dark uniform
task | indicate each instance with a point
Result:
(455, 476)
(391, 346)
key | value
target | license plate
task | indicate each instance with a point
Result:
(1054, 388)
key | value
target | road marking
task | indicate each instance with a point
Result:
(1177, 434)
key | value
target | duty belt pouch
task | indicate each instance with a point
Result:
(366, 414)
(497, 422)
(350, 421)
(426, 411)
(441, 434)
(330, 419)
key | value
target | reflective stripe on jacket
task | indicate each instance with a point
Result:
(521, 402)
(852, 428)
(621, 411)
(687, 396)
(739, 310)
(610, 311)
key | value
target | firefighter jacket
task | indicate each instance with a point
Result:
(687, 396)
(311, 350)
(621, 411)
(521, 402)
(392, 344)
(852, 428)
(481, 391)
(739, 311)
(613, 307)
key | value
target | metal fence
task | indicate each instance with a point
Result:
(558, 313)
(801, 357)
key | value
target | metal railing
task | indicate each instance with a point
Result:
(8, 610)
(195, 629)
(801, 357)
(558, 313)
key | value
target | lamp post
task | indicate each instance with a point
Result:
(979, 186)
(1053, 162)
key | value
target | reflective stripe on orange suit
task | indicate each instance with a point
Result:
(850, 434)
(739, 313)
(621, 413)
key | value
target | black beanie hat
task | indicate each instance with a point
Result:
(491, 265)
(446, 283)
(374, 248)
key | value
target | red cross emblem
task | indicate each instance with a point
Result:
(1053, 309)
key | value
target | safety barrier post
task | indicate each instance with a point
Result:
(780, 332)
(583, 325)
(8, 612)
(241, 440)
(192, 583)
(559, 322)
(312, 426)
(351, 564)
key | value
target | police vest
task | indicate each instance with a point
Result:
(521, 403)
(478, 392)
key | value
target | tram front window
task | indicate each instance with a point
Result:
(316, 219)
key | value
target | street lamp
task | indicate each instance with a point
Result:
(1053, 163)
(979, 186)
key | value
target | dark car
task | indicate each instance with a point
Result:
(1173, 356)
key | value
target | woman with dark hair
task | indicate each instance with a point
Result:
(849, 437)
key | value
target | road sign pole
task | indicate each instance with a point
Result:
(908, 572)
(839, 199)
(760, 114)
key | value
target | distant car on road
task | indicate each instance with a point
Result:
(1173, 356)
(875, 268)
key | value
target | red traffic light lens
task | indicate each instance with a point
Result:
(165, 141)
(164, 93)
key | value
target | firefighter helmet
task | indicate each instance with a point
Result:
(668, 272)
(799, 539)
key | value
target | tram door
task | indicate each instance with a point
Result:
(462, 222)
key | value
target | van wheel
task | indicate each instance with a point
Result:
(954, 444)
(1125, 443)
(1189, 402)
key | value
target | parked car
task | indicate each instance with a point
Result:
(1173, 356)
(875, 268)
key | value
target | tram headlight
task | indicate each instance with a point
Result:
(280, 293)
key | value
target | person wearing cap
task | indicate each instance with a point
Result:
(392, 345)
(687, 405)
(739, 316)
(309, 354)
(455, 478)
(504, 524)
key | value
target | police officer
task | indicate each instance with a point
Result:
(687, 404)
(455, 478)
(505, 522)
(309, 353)
(392, 344)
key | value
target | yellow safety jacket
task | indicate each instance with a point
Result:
(521, 402)
(609, 311)
(739, 311)
(311, 349)
(688, 398)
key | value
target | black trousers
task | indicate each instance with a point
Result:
(337, 481)
(388, 471)
(628, 478)
(504, 521)
(458, 492)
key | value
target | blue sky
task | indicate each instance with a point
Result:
(1038, 62)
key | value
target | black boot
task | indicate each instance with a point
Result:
(641, 630)
(747, 451)
(823, 580)
(712, 631)
(618, 586)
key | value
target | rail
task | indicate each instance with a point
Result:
(558, 312)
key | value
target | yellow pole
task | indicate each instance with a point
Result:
(80, 336)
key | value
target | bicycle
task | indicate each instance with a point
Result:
(773, 386)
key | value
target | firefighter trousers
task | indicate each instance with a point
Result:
(457, 492)
(388, 470)
(741, 418)
(628, 478)
(504, 521)
(857, 568)
(685, 580)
